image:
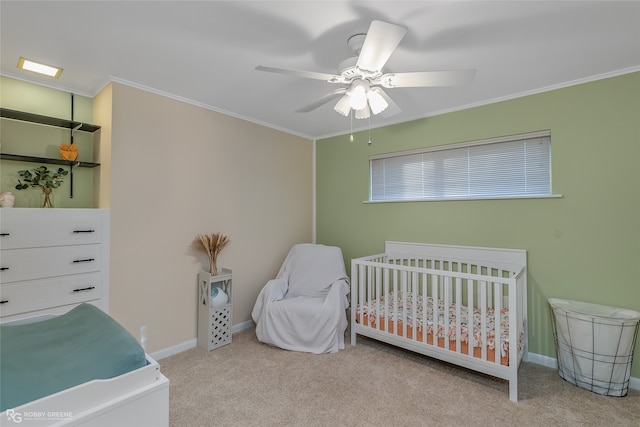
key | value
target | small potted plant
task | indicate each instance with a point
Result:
(44, 178)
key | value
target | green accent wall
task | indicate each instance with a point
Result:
(44, 141)
(583, 246)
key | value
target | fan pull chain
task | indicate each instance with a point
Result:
(351, 119)
(369, 143)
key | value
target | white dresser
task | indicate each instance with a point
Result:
(52, 260)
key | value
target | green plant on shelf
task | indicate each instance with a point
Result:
(44, 178)
(40, 177)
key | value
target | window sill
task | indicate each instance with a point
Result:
(458, 199)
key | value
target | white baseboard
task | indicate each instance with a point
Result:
(552, 362)
(187, 345)
(539, 359)
(175, 349)
(241, 326)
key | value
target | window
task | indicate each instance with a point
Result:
(514, 166)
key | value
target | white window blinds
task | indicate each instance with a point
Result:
(512, 166)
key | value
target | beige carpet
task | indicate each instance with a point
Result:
(247, 383)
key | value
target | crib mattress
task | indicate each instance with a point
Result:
(400, 307)
(43, 358)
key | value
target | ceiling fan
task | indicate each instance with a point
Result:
(364, 78)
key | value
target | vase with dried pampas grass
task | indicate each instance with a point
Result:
(212, 245)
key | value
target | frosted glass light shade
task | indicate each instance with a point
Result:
(363, 113)
(358, 98)
(358, 92)
(344, 105)
(377, 103)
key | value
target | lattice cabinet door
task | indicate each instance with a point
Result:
(214, 309)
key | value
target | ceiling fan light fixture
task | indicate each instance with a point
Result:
(363, 113)
(377, 103)
(359, 89)
(344, 105)
(358, 99)
(364, 78)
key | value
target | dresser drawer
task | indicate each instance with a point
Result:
(37, 263)
(25, 228)
(34, 295)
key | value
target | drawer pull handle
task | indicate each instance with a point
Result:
(84, 231)
(4, 268)
(5, 234)
(4, 301)
(84, 289)
(84, 260)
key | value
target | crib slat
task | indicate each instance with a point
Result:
(483, 318)
(489, 295)
(470, 323)
(385, 281)
(497, 304)
(395, 300)
(377, 295)
(361, 295)
(403, 275)
(414, 305)
(435, 284)
(458, 299)
(354, 307)
(368, 291)
(447, 304)
(424, 307)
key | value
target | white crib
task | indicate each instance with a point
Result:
(463, 305)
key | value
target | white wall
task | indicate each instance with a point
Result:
(177, 170)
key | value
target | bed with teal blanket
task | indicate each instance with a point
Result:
(45, 357)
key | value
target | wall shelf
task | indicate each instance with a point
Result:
(46, 120)
(72, 125)
(5, 156)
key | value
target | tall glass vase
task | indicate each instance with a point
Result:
(47, 198)
(213, 267)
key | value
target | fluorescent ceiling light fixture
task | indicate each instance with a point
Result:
(47, 70)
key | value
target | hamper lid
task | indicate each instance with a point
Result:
(595, 310)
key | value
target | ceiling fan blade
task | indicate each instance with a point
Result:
(298, 73)
(392, 108)
(428, 78)
(380, 42)
(320, 102)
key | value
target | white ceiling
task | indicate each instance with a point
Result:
(205, 52)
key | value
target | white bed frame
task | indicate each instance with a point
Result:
(459, 275)
(137, 398)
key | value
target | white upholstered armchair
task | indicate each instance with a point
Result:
(304, 307)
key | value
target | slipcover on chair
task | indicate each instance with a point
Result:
(304, 307)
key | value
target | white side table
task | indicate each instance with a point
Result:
(214, 323)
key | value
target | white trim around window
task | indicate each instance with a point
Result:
(515, 166)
